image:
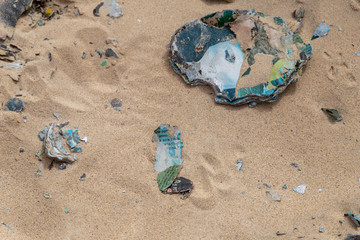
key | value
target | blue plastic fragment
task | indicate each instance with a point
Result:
(76, 150)
(72, 137)
(321, 31)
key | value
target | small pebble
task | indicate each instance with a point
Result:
(22, 150)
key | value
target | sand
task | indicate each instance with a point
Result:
(119, 198)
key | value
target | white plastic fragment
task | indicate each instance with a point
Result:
(357, 54)
(321, 31)
(85, 139)
(300, 189)
(273, 195)
(239, 165)
(114, 9)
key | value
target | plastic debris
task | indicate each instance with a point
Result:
(53, 146)
(352, 237)
(76, 150)
(9, 14)
(239, 165)
(85, 139)
(116, 104)
(66, 211)
(56, 116)
(273, 195)
(103, 63)
(169, 147)
(72, 137)
(83, 177)
(357, 54)
(355, 219)
(168, 160)
(113, 9)
(333, 113)
(285, 186)
(8, 53)
(300, 189)
(321, 230)
(62, 166)
(83, 55)
(167, 177)
(237, 53)
(321, 31)
(278, 233)
(15, 105)
(111, 53)
(47, 196)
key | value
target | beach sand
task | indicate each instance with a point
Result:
(120, 198)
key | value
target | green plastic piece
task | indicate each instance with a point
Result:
(166, 178)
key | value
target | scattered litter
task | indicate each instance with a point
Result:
(266, 185)
(352, 237)
(357, 54)
(273, 195)
(333, 113)
(66, 211)
(83, 55)
(116, 104)
(72, 137)
(285, 186)
(355, 219)
(100, 52)
(239, 165)
(321, 31)
(56, 116)
(278, 233)
(168, 161)
(124, 191)
(114, 9)
(229, 50)
(85, 139)
(76, 150)
(47, 196)
(321, 229)
(111, 53)
(62, 166)
(300, 189)
(169, 147)
(53, 146)
(15, 105)
(21, 150)
(82, 178)
(103, 63)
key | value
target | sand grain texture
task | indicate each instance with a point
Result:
(226, 203)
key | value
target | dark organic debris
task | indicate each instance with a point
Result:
(15, 105)
(333, 113)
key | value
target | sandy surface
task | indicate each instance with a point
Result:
(226, 203)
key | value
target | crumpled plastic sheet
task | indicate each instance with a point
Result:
(169, 147)
(321, 31)
(10, 11)
(53, 145)
(246, 56)
(72, 137)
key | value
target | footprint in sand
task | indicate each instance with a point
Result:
(213, 182)
(355, 5)
(339, 69)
